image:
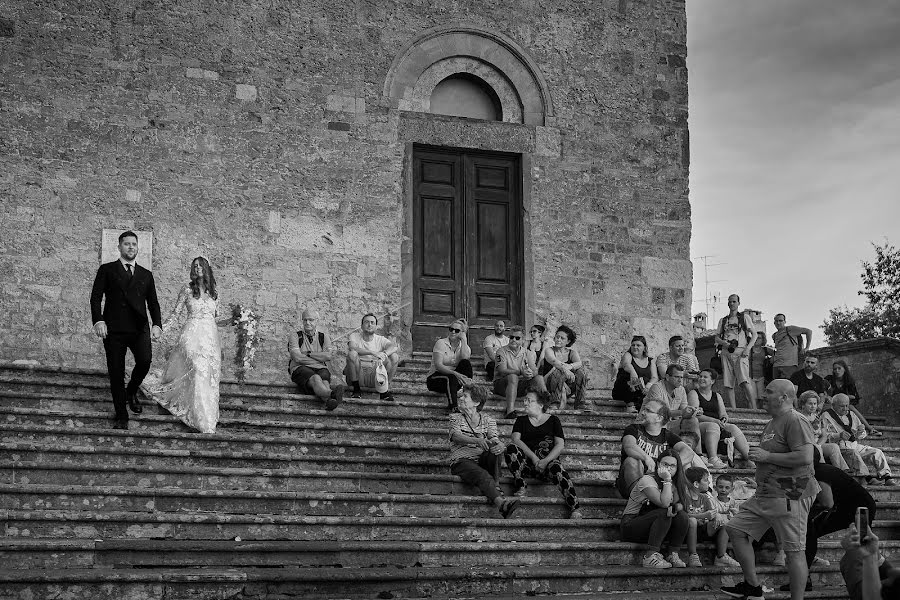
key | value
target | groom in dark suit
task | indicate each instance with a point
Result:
(123, 325)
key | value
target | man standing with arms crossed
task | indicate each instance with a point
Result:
(787, 340)
(786, 489)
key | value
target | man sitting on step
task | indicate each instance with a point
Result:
(310, 349)
(366, 352)
(516, 372)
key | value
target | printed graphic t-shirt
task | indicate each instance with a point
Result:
(786, 433)
(653, 445)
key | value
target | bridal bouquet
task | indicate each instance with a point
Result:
(246, 324)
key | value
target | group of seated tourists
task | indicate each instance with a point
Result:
(514, 366)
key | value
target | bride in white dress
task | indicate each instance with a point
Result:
(189, 386)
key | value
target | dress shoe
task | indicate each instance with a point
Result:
(120, 424)
(133, 403)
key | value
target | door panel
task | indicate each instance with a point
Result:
(467, 212)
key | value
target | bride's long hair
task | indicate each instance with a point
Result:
(205, 280)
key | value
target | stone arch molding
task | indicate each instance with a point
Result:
(504, 65)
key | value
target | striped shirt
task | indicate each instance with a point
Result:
(482, 426)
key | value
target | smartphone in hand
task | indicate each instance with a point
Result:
(862, 523)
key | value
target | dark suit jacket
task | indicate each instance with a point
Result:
(125, 310)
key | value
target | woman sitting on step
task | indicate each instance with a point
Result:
(475, 450)
(450, 366)
(563, 371)
(537, 443)
(637, 373)
(654, 512)
(714, 425)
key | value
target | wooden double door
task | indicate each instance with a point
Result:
(468, 256)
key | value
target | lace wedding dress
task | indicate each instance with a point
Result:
(189, 385)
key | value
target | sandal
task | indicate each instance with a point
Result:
(509, 506)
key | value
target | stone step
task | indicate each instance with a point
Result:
(348, 440)
(352, 583)
(311, 503)
(18, 553)
(260, 395)
(12, 406)
(216, 478)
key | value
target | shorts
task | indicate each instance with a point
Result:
(784, 372)
(525, 385)
(301, 376)
(786, 517)
(735, 368)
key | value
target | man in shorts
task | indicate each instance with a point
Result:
(366, 350)
(310, 350)
(786, 489)
(737, 335)
(516, 372)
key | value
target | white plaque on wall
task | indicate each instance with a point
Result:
(109, 247)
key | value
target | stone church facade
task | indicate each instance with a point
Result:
(517, 159)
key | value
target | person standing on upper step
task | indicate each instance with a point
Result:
(310, 350)
(491, 345)
(476, 450)
(790, 342)
(451, 367)
(516, 371)
(806, 379)
(737, 335)
(129, 291)
(367, 352)
(786, 488)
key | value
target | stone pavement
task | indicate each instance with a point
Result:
(288, 500)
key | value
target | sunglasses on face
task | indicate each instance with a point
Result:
(515, 337)
(455, 330)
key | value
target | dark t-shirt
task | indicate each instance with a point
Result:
(816, 384)
(539, 439)
(843, 388)
(653, 445)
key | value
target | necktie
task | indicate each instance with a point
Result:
(128, 268)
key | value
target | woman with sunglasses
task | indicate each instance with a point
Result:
(655, 512)
(536, 341)
(637, 373)
(450, 366)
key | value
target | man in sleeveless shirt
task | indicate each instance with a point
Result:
(310, 350)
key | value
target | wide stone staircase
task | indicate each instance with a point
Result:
(287, 500)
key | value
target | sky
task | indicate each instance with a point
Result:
(795, 150)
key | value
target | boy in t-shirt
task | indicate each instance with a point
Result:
(699, 506)
(725, 507)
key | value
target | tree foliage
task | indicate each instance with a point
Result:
(881, 314)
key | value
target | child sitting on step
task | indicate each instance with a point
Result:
(700, 510)
(725, 507)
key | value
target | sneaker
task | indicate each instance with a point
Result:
(387, 397)
(822, 562)
(676, 560)
(717, 463)
(875, 433)
(576, 514)
(521, 492)
(787, 586)
(890, 481)
(726, 561)
(694, 560)
(656, 561)
(744, 590)
(356, 393)
(779, 559)
(337, 396)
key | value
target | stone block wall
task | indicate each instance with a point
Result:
(259, 134)
(875, 364)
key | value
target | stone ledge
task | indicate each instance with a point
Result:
(881, 343)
